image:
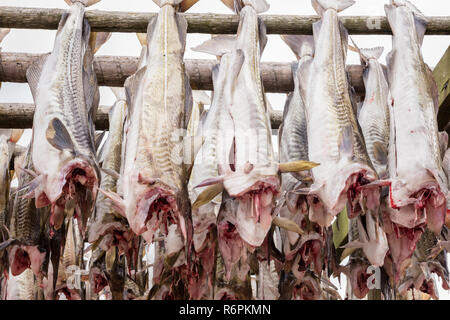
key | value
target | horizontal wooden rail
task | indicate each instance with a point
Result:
(20, 116)
(209, 23)
(112, 71)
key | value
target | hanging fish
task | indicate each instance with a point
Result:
(65, 92)
(246, 162)
(154, 178)
(334, 137)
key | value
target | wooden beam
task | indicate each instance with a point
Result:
(112, 71)
(20, 116)
(441, 74)
(209, 23)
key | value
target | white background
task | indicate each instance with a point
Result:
(126, 44)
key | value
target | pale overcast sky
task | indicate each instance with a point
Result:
(126, 44)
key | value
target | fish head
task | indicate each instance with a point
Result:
(308, 288)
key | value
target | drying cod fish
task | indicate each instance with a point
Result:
(418, 185)
(373, 115)
(419, 275)
(206, 200)
(334, 137)
(109, 228)
(305, 250)
(27, 227)
(153, 180)
(245, 157)
(65, 92)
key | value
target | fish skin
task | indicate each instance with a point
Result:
(249, 168)
(418, 183)
(301, 251)
(373, 116)
(26, 227)
(108, 226)
(64, 87)
(344, 161)
(151, 174)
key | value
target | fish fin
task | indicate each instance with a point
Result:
(161, 3)
(16, 134)
(344, 39)
(117, 201)
(301, 45)
(30, 187)
(217, 46)
(287, 224)
(185, 5)
(142, 37)
(97, 40)
(229, 4)
(380, 152)
(317, 26)
(346, 142)
(443, 142)
(86, 3)
(339, 5)
(356, 244)
(260, 6)
(58, 136)
(33, 74)
(210, 182)
(376, 184)
(420, 20)
(111, 172)
(207, 195)
(132, 84)
(98, 139)
(119, 92)
(262, 30)
(374, 52)
(3, 33)
(5, 244)
(232, 155)
(364, 238)
(433, 88)
(201, 97)
(296, 166)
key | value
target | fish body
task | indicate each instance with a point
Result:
(65, 91)
(344, 162)
(373, 115)
(246, 161)
(418, 184)
(27, 228)
(108, 225)
(154, 178)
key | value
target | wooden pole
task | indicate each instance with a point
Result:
(20, 116)
(209, 23)
(112, 71)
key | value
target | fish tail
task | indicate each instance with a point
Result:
(339, 5)
(86, 3)
(98, 39)
(184, 5)
(3, 33)
(301, 45)
(420, 21)
(260, 6)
